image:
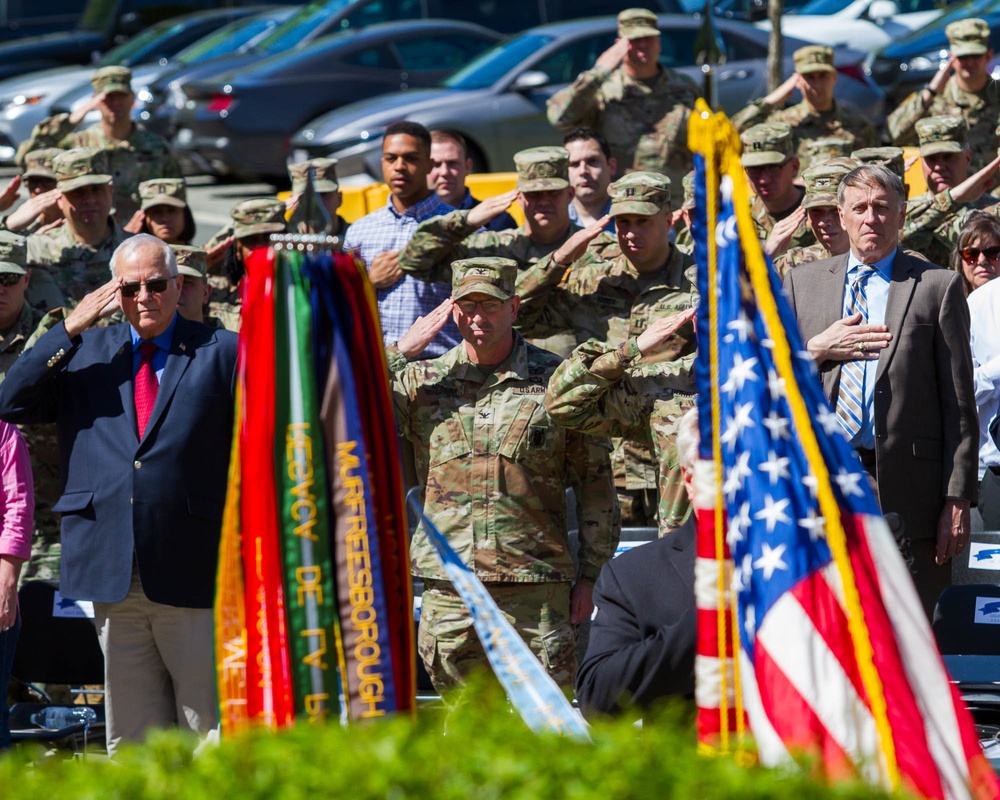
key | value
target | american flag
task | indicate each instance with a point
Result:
(836, 660)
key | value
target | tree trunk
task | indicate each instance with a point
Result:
(775, 46)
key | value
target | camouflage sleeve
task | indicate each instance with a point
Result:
(924, 215)
(901, 122)
(50, 132)
(580, 103)
(752, 114)
(170, 167)
(590, 392)
(544, 307)
(402, 380)
(588, 465)
(435, 244)
(45, 324)
(397, 361)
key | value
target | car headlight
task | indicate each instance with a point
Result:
(927, 61)
(27, 99)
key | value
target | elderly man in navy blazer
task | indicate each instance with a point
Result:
(144, 411)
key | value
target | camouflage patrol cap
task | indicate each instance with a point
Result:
(944, 134)
(889, 157)
(822, 180)
(813, 58)
(325, 175)
(643, 193)
(968, 37)
(826, 147)
(767, 143)
(635, 23)
(13, 254)
(112, 79)
(540, 169)
(260, 215)
(486, 275)
(81, 166)
(687, 182)
(38, 163)
(163, 192)
(191, 261)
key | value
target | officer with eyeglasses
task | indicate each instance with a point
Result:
(494, 468)
(144, 413)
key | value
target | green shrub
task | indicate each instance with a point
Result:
(483, 753)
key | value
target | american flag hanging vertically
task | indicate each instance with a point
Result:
(835, 660)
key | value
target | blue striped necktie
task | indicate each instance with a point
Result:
(851, 397)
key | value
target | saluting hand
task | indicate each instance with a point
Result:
(92, 307)
(491, 208)
(613, 56)
(576, 245)
(661, 329)
(781, 234)
(76, 117)
(9, 193)
(424, 329)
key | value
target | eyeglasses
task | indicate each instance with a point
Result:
(971, 254)
(9, 279)
(487, 306)
(157, 286)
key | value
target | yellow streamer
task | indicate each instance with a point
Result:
(713, 136)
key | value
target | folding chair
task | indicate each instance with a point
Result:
(55, 649)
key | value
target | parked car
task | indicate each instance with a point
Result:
(240, 122)
(236, 36)
(861, 24)
(744, 10)
(26, 100)
(498, 101)
(904, 65)
(105, 23)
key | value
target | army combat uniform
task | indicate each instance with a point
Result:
(494, 468)
(64, 269)
(325, 182)
(644, 122)
(840, 123)
(38, 165)
(934, 221)
(764, 145)
(598, 391)
(602, 296)
(981, 109)
(141, 157)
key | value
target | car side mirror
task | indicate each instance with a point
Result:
(532, 79)
(881, 10)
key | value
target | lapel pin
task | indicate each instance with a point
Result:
(183, 346)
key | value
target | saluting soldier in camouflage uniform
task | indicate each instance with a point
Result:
(494, 469)
(42, 206)
(74, 259)
(327, 191)
(683, 240)
(134, 154)
(612, 294)
(818, 116)
(253, 223)
(629, 391)
(542, 191)
(963, 87)
(771, 165)
(820, 202)
(640, 107)
(17, 320)
(931, 226)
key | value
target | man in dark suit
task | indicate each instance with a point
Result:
(890, 336)
(144, 412)
(643, 633)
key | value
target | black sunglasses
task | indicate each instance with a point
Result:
(9, 279)
(971, 254)
(157, 286)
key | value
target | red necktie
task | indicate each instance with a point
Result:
(146, 386)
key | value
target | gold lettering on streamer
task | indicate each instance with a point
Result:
(299, 456)
(363, 617)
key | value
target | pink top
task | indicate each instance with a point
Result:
(17, 494)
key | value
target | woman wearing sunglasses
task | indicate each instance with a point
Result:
(977, 253)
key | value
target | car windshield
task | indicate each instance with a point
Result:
(824, 6)
(286, 36)
(140, 47)
(496, 62)
(230, 38)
